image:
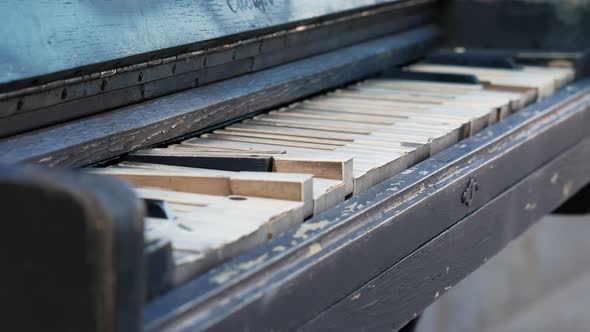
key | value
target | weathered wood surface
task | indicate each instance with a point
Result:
(47, 37)
(403, 291)
(388, 125)
(111, 134)
(26, 106)
(426, 199)
(74, 251)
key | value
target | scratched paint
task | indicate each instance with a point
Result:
(302, 231)
(314, 248)
(567, 189)
(530, 206)
(232, 272)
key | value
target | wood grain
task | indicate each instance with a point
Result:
(110, 134)
(77, 34)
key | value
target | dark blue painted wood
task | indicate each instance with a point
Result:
(386, 302)
(337, 252)
(43, 37)
(111, 134)
(75, 251)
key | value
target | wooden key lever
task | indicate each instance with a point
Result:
(73, 252)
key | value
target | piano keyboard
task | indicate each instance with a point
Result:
(228, 190)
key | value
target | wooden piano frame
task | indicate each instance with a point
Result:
(377, 260)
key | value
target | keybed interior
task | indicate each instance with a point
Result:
(231, 189)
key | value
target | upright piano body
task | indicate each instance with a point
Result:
(92, 83)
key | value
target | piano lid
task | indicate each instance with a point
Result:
(39, 38)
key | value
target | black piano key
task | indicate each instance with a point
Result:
(157, 209)
(430, 77)
(226, 163)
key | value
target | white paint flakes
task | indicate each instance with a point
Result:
(568, 188)
(224, 276)
(309, 227)
(234, 271)
(252, 263)
(279, 248)
(314, 248)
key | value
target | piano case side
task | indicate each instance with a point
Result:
(73, 251)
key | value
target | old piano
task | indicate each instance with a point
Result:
(275, 165)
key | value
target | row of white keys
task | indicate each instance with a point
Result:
(285, 186)
(218, 214)
(364, 164)
(544, 80)
(386, 125)
(476, 97)
(397, 132)
(317, 194)
(205, 230)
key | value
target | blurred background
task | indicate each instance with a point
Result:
(540, 282)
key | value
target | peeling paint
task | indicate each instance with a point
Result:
(279, 248)
(554, 178)
(568, 188)
(314, 249)
(436, 295)
(355, 297)
(350, 208)
(310, 227)
(530, 206)
(252, 263)
(224, 276)
(234, 271)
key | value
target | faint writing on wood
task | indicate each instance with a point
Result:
(241, 5)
